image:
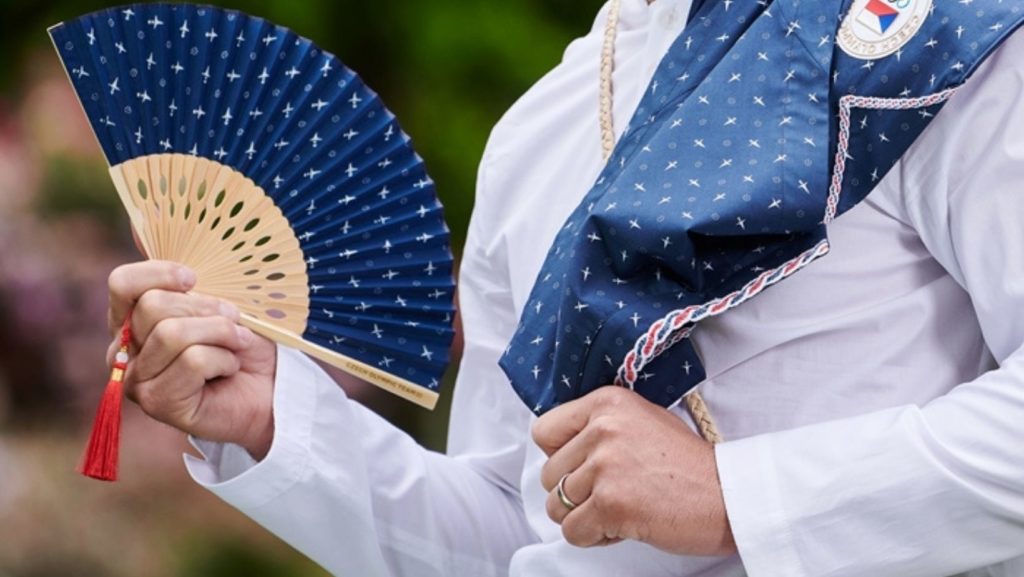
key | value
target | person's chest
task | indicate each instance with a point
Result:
(857, 331)
(863, 319)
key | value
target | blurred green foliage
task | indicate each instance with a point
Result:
(223, 557)
(76, 186)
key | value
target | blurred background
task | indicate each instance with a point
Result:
(447, 68)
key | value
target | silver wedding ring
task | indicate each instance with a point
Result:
(560, 491)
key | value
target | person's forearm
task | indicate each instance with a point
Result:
(362, 498)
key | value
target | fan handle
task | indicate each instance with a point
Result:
(407, 390)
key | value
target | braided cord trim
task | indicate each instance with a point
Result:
(677, 325)
(607, 66)
(846, 105)
(666, 331)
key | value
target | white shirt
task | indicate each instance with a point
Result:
(869, 430)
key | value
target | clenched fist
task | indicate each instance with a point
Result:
(192, 366)
(629, 469)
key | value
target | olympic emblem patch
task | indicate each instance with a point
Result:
(875, 29)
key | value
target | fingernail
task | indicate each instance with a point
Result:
(187, 277)
(228, 310)
(244, 335)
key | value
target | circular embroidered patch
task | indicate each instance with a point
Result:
(875, 29)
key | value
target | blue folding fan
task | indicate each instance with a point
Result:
(260, 161)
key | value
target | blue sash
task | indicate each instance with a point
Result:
(765, 121)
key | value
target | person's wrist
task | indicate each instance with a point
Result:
(261, 436)
(726, 542)
(720, 540)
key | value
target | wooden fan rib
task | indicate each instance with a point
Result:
(285, 256)
(207, 179)
(294, 282)
(261, 290)
(135, 215)
(200, 173)
(127, 174)
(233, 230)
(170, 209)
(182, 169)
(255, 274)
(150, 170)
(246, 261)
(397, 385)
(169, 166)
(201, 245)
(162, 226)
(222, 181)
(207, 251)
(216, 267)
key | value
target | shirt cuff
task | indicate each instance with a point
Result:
(228, 471)
(754, 505)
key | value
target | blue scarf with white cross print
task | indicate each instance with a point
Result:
(765, 120)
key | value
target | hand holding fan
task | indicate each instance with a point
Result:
(264, 164)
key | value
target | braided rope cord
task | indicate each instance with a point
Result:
(607, 67)
(698, 408)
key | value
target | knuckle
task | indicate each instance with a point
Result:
(117, 281)
(573, 533)
(545, 476)
(236, 365)
(224, 327)
(603, 495)
(609, 397)
(165, 334)
(131, 392)
(549, 476)
(151, 301)
(606, 499)
(538, 430)
(144, 395)
(206, 305)
(192, 359)
(604, 427)
(552, 509)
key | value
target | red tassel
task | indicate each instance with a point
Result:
(101, 454)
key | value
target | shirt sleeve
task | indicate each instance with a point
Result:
(917, 491)
(360, 497)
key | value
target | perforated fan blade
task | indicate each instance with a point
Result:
(247, 153)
